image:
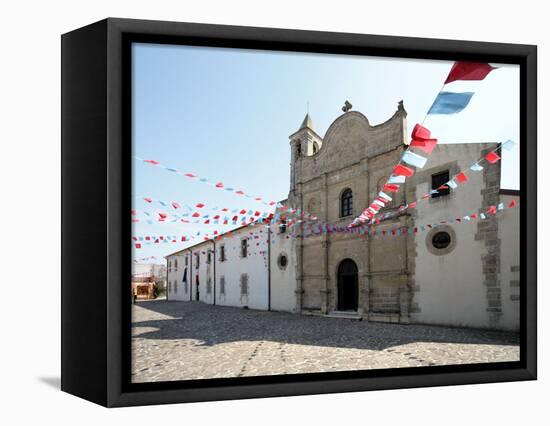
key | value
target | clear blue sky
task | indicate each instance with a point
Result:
(226, 114)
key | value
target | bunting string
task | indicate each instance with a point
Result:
(446, 102)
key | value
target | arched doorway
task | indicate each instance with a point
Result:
(348, 286)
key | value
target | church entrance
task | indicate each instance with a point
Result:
(348, 286)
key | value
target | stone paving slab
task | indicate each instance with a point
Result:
(191, 340)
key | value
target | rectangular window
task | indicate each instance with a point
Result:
(186, 260)
(208, 256)
(208, 285)
(244, 284)
(282, 226)
(244, 248)
(197, 260)
(439, 179)
(222, 285)
(222, 254)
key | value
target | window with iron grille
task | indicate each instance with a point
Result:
(244, 284)
(208, 285)
(439, 179)
(186, 260)
(197, 260)
(175, 286)
(208, 256)
(244, 248)
(176, 264)
(222, 285)
(346, 203)
(222, 253)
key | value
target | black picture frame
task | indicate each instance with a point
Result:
(96, 196)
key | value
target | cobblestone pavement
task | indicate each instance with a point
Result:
(191, 340)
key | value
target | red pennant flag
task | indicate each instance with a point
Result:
(401, 170)
(492, 157)
(138, 245)
(216, 217)
(195, 214)
(175, 205)
(200, 205)
(234, 218)
(154, 162)
(257, 213)
(468, 71)
(207, 221)
(461, 177)
(492, 210)
(183, 238)
(420, 133)
(391, 187)
(147, 238)
(412, 205)
(473, 216)
(190, 175)
(243, 211)
(512, 204)
(239, 192)
(148, 200)
(163, 215)
(375, 207)
(225, 222)
(219, 185)
(426, 145)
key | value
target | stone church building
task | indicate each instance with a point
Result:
(459, 273)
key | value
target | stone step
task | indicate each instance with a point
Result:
(344, 314)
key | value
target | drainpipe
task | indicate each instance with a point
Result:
(166, 286)
(269, 268)
(214, 260)
(190, 275)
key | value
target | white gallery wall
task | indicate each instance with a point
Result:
(30, 176)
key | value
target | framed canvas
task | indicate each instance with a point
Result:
(256, 212)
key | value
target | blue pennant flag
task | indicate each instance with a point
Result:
(450, 102)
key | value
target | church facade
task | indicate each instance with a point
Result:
(458, 273)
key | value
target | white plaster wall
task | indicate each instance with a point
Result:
(176, 275)
(450, 287)
(255, 265)
(509, 232)
(204, 271)
(283, 281)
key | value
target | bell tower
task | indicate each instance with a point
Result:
(303, 143)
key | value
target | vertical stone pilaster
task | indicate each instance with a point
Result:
(487, 232)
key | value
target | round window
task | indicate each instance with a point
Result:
(283, 261)
(441, 240)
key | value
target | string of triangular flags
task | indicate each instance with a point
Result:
(224, 187)
(317, 230)
(401, 230)
(223, 215)
(461, 178)
(446, 102)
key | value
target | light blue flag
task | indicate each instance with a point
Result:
(396, 179)
(171, 169)
(482, 216)
(508, 145)
(162, 203)
(476, 168)
(500, 206)
(413, 159)
(450, 102)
